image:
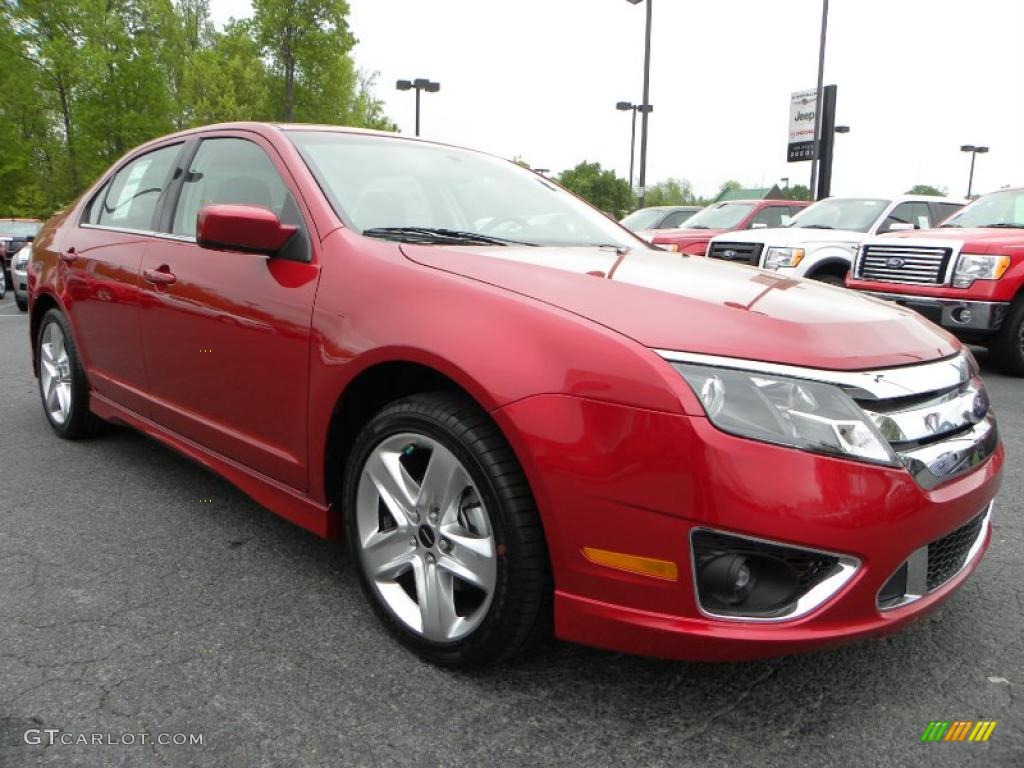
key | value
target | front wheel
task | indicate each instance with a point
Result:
(836, 280)
(3, 283)
(21, 301)
(444, 532)
(62, 384)
(1007, 348)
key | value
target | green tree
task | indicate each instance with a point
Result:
(797, 192)
(927, 189)
(728, 186)
(671, 192)
(601, 188)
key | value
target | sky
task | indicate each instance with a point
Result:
(539, 79)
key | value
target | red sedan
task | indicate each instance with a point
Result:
(515, 411)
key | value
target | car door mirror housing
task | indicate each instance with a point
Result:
(250, 228)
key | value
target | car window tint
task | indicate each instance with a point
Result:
(675, 218)
(771, 216)
(130, 199)
(945, 210)
(232, 170)
(908, 213)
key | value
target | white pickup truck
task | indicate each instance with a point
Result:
(821, 241)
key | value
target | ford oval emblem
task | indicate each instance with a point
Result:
(896, 262)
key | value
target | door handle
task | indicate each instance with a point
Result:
(161, 276)
(69, 256)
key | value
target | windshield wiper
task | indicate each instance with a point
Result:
(943, 226)
(816, 226)
(696, 226)
(1003, 224)
(438, 236)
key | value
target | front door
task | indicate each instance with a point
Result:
(226, 334)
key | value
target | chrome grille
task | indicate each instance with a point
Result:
(914, 264)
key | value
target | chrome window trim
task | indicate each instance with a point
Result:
(813, 599)
(876, 384)
(143, 232)
(917, 568)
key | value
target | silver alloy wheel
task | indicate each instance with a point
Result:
(1020, 337)
(425, 538)
(55, 374)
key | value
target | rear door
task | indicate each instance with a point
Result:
(102, 257)
(226, 342)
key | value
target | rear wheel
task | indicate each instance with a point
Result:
(21, 301)
(444, 532)
(1007, 348)
(3, 283)
(62, 384)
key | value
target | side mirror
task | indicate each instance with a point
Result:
(901, 226)
(241, 228)
(759, 225)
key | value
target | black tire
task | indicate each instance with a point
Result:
(80, 422)
(519, 613)
(1007, 348)
(3, 282)
(828, 279)
(21, 302)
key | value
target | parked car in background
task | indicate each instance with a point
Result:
(821, 241)
(19, 276)
(518, 413)
(694, 235)
(967, 275)
(14, 233)
(647, 220)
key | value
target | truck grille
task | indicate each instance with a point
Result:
(739, 253)
(946, 556)
(917, 265)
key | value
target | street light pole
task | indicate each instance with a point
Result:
(818, 100)
(420, 84)
(646, 103)
(975, 151)
(624, 106)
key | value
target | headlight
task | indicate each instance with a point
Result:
(783, 257)
(21, 258)
(978, 266)
(802, 414)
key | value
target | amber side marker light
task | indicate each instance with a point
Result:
(643, 566)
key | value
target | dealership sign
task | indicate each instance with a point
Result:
(801, 126)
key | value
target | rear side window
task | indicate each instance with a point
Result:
(130, 199)
(915, 213)
(675, 218)
(232, 170)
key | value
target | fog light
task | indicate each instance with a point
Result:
(962, 315)
(727, 579)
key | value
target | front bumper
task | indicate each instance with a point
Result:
(634, 481)
(979, 317)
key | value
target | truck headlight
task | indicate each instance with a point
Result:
(783, 257)
(798, 413)
(978, 266)
(21, 258)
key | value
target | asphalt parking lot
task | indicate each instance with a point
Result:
(141, 594)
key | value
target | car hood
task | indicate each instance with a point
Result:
(668, 301)
(975, 240)
(797, 235)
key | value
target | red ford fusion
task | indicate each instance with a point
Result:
(516, 413)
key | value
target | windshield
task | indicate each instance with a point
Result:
(855, 214)
(407, 190)
(719, 216)
(645, 218)
(999, 209)
(19, 228)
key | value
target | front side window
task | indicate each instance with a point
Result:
(851, 213)
(908, 213)
(676, 219)
(771, 216)
(14, 228)
(130, 199)
(229, 170)
(645, 218)
(405, 190)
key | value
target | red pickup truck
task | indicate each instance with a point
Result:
(727, 216)
(967, 275)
